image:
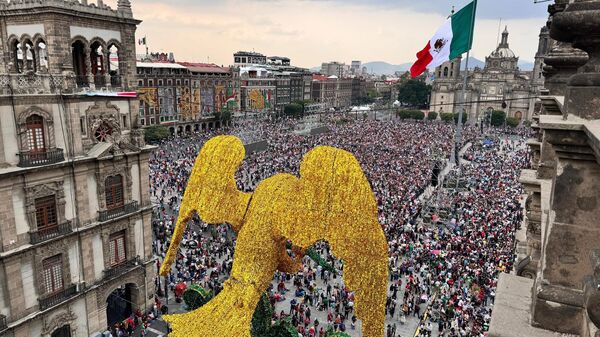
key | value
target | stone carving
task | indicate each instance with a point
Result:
(67, 317)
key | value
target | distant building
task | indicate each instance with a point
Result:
(185, 96)
(333, 91)
(500, 85)
(278, 61)
(243, 58)
(355, 67)
(332, 69)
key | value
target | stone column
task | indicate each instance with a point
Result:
(579, 24)
(88, 66)
(24, 52)
(106, 66)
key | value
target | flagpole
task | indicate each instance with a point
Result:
(459, 127)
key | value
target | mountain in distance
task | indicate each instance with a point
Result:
(474, 62)
(384, 68)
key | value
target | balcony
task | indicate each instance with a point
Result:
(116, 81)
(3, 324)
(46, 234)
(122, 268)
(57, 297)
(33, 159)
(100, 81)
(110, 214)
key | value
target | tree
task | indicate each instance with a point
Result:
(261, 320)
(498, 118)
(432, 115)
(464, 118)
(155, 133)
(224, 116)
(447, 117)
(196, 296)
(513, 122)
(293, 110)
(414, 93)
(411, 114)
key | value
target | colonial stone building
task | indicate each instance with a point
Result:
(75, 231)
(556, 284)
(500, 85)
(186, 97)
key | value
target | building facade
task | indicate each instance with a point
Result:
(500, 85)
(331, 91)
(186, 97)
(75, 225)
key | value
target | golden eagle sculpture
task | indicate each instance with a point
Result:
(332, 201)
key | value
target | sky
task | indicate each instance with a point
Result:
(314, 31)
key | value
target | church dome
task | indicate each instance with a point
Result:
(503, 51)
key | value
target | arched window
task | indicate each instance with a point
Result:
(42, 54)
(64, 331)
(35, 134)
(113, 66)
(97, 56)
(79, 66)
(18, 56)
(30, 56)
(445, 71)
(113, 188)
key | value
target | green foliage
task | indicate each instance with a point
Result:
(513, 122)
(464, 118)
(527, 124)
(224, 116)
(411, 114)
(320, 260)
(283, 328)
(293, 110)
(498, 118)
(155, 133)
(414, 93)
(261, 320)
(196, 296)
(432, 115)
(447, 117)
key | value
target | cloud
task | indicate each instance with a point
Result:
(314, 31)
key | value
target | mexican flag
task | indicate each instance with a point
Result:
(451, 40)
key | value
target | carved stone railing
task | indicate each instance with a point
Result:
(46, 234)
(33, 83)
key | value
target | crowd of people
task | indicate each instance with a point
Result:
(442, 274)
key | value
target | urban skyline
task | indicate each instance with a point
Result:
(209, 32)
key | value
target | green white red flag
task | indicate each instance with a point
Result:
(451, 40)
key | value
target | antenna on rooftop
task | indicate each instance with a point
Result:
(498, 36)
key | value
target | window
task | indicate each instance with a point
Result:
(114, 192)
(35, 133)
(169, 82)
(82, 126)
(52, 274)
(150, 83)
(160, 83)
(140, 83)
(103, 132)
(45, 212)
(124, 121)
(178, 82)
(445, 71)
(152, 120)
(117, 248)
(142, 121)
